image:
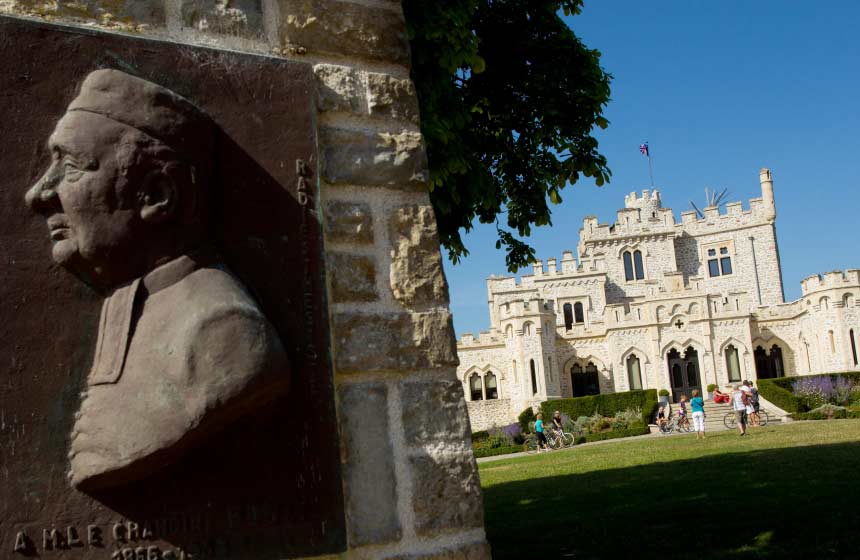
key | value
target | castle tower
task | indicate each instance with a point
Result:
(648, 204)
(766, 181)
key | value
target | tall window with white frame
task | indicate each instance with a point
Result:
(578, 315)
(719, 261)
(733, 363)
(476, 387)
(634, 372)
(491, 386)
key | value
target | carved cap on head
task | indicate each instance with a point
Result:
(150, 108)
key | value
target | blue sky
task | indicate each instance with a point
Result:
(719, 90)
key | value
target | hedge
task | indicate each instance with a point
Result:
(607, 404)
(492, 451)
(600, 436)
(779, 390)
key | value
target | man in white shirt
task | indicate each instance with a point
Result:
(740, 409)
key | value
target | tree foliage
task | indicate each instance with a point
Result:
(509, 97)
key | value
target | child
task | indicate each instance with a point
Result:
(661, 416)
(682, 411)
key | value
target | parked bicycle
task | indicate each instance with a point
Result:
(731, 421)
(554, 440)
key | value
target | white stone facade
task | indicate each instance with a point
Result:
(692, 303)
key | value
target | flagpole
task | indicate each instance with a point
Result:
(650, 170)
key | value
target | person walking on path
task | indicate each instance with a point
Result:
(697, 404)
(740, 409)
(541, 437)
(754, 406)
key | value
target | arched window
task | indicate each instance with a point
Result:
(628, 266)
(527, 329)
(637, 265)
(853, 345)
(592, 381)
(634, 372)
(578, 315)
(824, 303)
(475, 387)
(776, 365)
(848, 300)
(549, 369)
(762, 365)
(568, 316)
(534, 377)
(509, 331)
(661, 313)
(490, 384)
(832, 338)
(733, 363)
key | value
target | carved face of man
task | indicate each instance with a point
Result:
(85, 196)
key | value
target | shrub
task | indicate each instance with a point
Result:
(514, 433)
(663, 392)
(711, 387)
(606, 405)
(779, 391)
(490, 452)
(481, 435)
(637, 429)
(525, 419)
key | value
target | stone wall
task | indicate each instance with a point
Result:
(410, 479)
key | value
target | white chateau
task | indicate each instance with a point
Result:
(652, 303)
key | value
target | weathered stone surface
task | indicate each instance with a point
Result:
(368, 464)
(434, 411)
(345, 29)
(449, 495)
(121, 16)
(340, 88)
(392, 97)
(366, 158)
(229, 17)
(353, 277)
(349, 222)
(474, 551)
(366, 342)
(416, 272)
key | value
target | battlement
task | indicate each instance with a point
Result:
(484, 338)
(649, 200)
(830, 280)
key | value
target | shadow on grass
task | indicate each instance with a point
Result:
(800, 502)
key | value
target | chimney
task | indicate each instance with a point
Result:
(767, 192)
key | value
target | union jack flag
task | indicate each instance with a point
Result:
(643, 149)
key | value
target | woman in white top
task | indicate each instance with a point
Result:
(740, 409)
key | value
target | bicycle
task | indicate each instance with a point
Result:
(730, 420)
(559, 439)
(682, 423)
(531, 444)
(667, 427)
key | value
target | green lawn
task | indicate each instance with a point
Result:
(781, 492)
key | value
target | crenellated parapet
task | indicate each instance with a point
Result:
(830, 280)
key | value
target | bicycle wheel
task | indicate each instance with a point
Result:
(762, 417)
(567, 439)
(730, 420)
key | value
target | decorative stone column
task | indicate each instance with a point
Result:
(409, 476)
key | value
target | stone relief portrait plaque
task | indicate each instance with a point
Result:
(167, 389)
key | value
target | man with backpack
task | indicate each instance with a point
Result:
(753, 406)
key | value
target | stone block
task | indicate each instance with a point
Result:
(448, 493)
(368, 464)
(120, 16)
(434, 411)
(224, 17)
(372, 158)
(391, 97)
(353, 277)
(340, 88)
(416, 274)
(345, 29)
(398, 341)
(349, 222)
(473, 551)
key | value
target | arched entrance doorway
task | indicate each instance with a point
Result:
(768, 366)
(584, 382)
(684, 372)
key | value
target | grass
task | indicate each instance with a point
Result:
(782, 492)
